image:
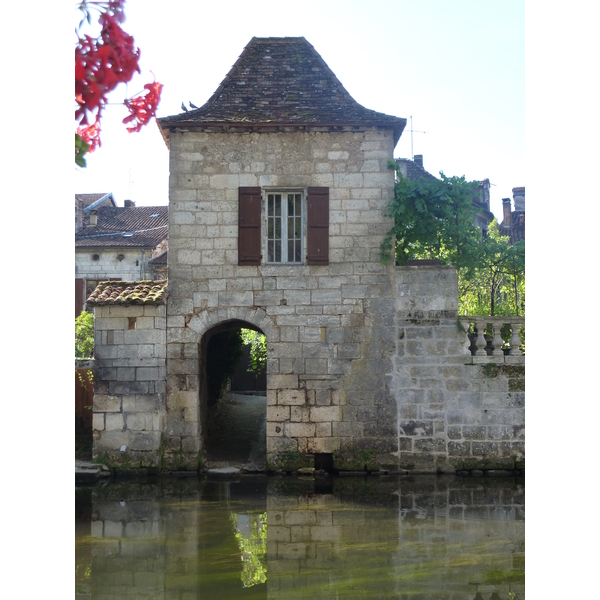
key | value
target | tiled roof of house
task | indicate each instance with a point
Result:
(160, 260)
(88, 199)
(281, 81)
(412, 171)
(125, 227)
(128, 292)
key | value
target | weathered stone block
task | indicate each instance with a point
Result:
(105, 403)
(325, 413)
(291, 397)
(299, 429)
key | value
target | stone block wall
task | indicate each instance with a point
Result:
(452, 414)
(327, 327)
(129, 384)
(133, 267)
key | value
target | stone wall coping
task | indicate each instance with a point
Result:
(494, 319)
(84, 363)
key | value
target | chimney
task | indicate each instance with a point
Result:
(519, 196)
(128, 203)
(507, 215)
(418, 160)
(93, 218)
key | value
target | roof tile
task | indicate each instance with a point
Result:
(123, 293)
(282, 81)
(120, 227)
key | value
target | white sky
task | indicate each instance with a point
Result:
(458, 68)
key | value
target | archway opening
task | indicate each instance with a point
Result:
(233, 396)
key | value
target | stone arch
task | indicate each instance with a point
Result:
(209, 323)
(212, 317)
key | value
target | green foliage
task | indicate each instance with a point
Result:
(81, 147)
(258, 350)
(436, 219)
(496, 286)
(253, 549)
(432, 219)
(84, 335)
(223, 353)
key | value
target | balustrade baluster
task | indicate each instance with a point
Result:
(497, 341)
(467, 326)
(481, 342)
(515, 340)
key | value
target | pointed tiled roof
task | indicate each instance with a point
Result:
(121, 227)
(281, 82)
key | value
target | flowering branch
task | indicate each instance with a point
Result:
(101, 64)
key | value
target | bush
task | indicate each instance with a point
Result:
(84, 335)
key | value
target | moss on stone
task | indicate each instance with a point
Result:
(289, 460)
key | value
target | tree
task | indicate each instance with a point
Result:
(497, 285)
(258, 350)
(433, 219)
(101, 64)
(84, 335)
(436, 219)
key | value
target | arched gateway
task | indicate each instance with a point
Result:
(187, 404)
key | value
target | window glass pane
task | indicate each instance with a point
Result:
(284, 228)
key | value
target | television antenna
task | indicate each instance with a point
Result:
(412, 156)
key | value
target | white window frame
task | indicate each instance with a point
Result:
(284, 225)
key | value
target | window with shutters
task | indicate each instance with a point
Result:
(296, 226)
(284, 227)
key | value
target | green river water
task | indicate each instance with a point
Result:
(421, 537)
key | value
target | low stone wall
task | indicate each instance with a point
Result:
(130, 375)
(452, 414)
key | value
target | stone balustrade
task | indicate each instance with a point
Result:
(484, 349)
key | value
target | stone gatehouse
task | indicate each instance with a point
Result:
(278, 190)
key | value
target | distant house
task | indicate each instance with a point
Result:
(413, 170)
(513, 223)
(85, 203)
(116, 243)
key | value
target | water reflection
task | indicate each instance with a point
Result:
(285, 538)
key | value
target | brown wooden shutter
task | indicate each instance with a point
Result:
(79, 299)
(317, 235)
(249, 226)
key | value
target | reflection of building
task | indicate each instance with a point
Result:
(117, 243)
(413, 170)
(513, 223)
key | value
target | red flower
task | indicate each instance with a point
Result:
(91, 134)
(101, 64)
(143, 108)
